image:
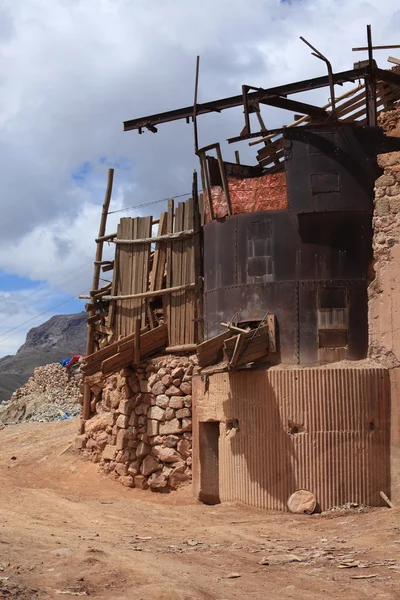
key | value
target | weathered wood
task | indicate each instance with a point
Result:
(93, 361)
(136, 351)
(150, 342)
(170, 237)
(181, 348)
(211, 351)
(253, 346)
(197, 263)
(106, 238)
(234, 328)
(87, 396)
(157, 273)
(271, 320)
(99, 252)
(179, 288)
(237, 350)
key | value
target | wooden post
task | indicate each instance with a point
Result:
(198, 263)
(87, 393)
(137, 343)
(99, 251)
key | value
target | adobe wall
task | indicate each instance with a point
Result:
(141, 433)
(384, 290)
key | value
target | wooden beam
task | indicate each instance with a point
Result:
(164, 292)
(168, 237)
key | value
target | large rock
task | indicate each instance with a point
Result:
(99, 422)
(150, 465)
(109, 452)
(156, 413)
(158, 388)
(168, 427)
(157, 481)
(168, 455)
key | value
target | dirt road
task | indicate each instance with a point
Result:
(66, 531)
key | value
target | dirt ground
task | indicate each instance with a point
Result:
(66, 530)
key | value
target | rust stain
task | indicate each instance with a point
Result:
(251, 195)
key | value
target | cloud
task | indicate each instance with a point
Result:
(73, 70)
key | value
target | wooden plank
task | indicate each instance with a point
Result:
(183, 304)
(168, 268)
(158, 270)
(197, 264)
(211, 351)
(87, 396)
(253, 346)
(150, 342)
(93, 361)
(271, 320)
(129, 341)
(146, 252)
(136, 352)
(135, 273)
(237, 350)
(176, 278)
(191, 276)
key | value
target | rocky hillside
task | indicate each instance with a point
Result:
(59, 337)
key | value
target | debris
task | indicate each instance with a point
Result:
(386, 499)
(364, 576)
(71, 593)
(51, 394)
(264, 561)
(233, 576)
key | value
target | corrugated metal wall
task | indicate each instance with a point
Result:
(323, 429)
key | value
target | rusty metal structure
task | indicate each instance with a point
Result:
(306, 258)
(286, 254)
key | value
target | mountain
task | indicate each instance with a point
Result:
(59, 337)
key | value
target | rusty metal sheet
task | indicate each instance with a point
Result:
(251, 303)
(329, 169)
(349, 323)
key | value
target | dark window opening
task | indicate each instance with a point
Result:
(332, 297)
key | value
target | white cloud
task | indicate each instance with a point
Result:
(72, 70)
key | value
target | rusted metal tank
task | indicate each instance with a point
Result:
(308, 264)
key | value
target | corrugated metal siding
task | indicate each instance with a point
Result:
(341, 452)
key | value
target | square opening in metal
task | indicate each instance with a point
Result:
(332, 297)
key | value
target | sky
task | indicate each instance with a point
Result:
(71, 71)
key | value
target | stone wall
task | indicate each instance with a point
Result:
(384, 290)
(141, 433)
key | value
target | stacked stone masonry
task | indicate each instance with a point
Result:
(384, 290)
(141, 433)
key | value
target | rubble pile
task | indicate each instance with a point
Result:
(52, 393)
(141, 433)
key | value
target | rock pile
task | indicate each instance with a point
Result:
(141, 432)
(50, 394)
